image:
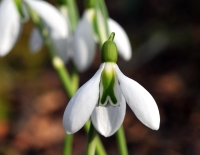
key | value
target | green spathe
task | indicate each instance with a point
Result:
(109, 50)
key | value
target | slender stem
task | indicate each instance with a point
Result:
(100, 24)
(105, 14)
(74, 80)
(72, 11)
(99, 147)
(73, 14)
(68, 144)
(89, 4)
(64, 76)
(122, 141)
(92, 136)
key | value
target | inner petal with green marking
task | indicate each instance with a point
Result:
(109, 87)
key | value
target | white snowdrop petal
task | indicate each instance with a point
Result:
(121, 39)
(107, 120)
(83, 44)
(10, 26)
(82, 104)
(36, 41)
(52, 17)
(61, 46)
(140, 101)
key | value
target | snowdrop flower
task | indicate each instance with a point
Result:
(85, 39)
(10, 26)
(81, 46)
(56, 24)
(104, 97)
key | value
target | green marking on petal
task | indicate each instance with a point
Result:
(108, 80)
(18, 4)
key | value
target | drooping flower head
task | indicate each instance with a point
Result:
(104, 97)
(85, 39)
(56, 25)
(10, 26)
(14, 12)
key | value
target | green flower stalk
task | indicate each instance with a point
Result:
(72, 12)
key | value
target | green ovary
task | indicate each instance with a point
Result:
(108, 82)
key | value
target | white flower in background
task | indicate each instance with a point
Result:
(10, 24)
(56, 24)
(81, 46)
(104, 98)
(84, 46)
(122, 41)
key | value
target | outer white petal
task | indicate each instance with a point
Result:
(107, 120)
(64, 11)
(121, 39)
(140, 101)
(61, 46)
(10, 26)
(52, 17)
(36, 41)
(82, 104)
(84, 44)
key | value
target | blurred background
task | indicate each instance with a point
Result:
(165, 38)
